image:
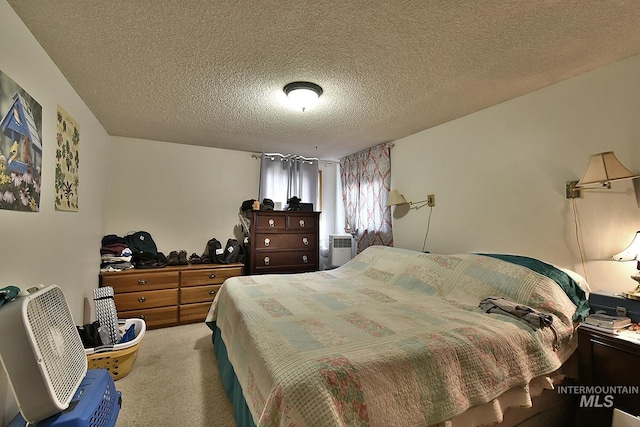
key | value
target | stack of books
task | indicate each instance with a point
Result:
(605, 323)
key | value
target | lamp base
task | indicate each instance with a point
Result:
(634, 293)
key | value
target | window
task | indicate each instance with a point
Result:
(285, 176)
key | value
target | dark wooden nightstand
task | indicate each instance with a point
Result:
(607, 363)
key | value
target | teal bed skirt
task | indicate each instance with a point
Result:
(230, 382)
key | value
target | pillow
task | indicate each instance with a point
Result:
(581, 281)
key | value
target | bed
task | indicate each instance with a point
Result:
(393, 337)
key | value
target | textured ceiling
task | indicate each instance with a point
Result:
(211, 73)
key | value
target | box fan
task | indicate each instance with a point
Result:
(41, 352)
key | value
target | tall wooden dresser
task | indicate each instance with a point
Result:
(284, 242)
(168, 296)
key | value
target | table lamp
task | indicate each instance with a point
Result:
(631, 253)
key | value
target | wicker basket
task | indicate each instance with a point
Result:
(119, 360)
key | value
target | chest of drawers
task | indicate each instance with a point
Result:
(168, 296)
(284, 242)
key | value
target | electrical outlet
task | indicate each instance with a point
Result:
(431, 200)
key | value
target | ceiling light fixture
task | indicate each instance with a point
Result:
(303, 94)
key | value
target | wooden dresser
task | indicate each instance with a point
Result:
(168, 296)
(284, 242)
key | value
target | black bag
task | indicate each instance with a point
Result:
(144, 252)
(89, 335)
(145, 260)
(233, 252)
(213, 252)
(141, 241)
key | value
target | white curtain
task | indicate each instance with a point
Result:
(284, 176)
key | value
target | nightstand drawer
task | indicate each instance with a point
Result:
(143, 300)
(130, 282)
(198, 294)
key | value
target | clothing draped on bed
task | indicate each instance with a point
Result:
(393, 337)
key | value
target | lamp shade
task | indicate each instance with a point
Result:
(395, 198)
(604, 168)
(631, 252)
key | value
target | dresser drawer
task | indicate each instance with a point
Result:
(148, 299)
(191, 313)
(302, 241)
(133, 282)
(154, 317)
(271, 222)
(297, 222)
(209, 276)
(198, 294)
(285, 259)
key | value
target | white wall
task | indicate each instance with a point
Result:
(48, 246)
(499, 176)
(183, 195)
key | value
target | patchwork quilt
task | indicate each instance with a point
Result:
(393, 337)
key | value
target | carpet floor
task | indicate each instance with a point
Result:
(174, 381)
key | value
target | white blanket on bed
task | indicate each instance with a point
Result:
(394, 337)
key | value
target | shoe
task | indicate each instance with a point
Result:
(172, 259)
(182, 258)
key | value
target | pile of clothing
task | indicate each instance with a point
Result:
(115, 254)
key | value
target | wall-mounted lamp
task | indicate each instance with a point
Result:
(395, 199)
(303, 94)
(603, 168)
(631, 253)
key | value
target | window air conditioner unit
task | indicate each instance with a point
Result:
(340, 249)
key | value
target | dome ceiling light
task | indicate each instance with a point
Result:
(303, 95)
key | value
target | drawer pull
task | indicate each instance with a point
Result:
(213, 293)
(267, 241)
(212, 276)
(142, 299)
(272, 223)
(305, 259)
(305, 240)
(266, 260)
(302, 223)
(142, 282)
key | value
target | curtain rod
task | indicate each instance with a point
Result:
(325, 161)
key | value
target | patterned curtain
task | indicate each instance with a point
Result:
(366, 181)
